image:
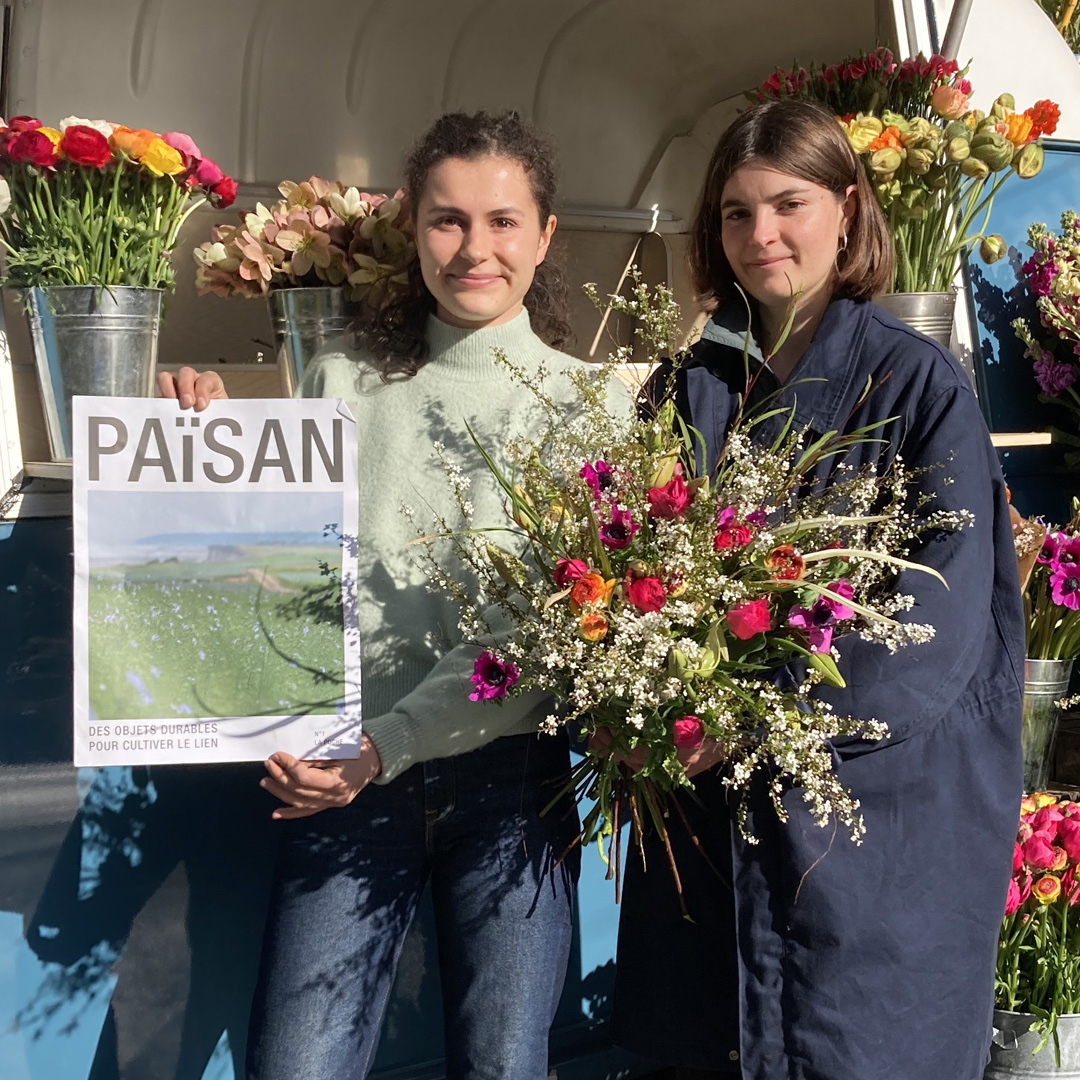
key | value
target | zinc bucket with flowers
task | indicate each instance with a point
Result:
(323, 255)
(935, 164)
(90, 214)
(1037, 981)
(1052, 609)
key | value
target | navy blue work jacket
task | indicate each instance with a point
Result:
(819, 959)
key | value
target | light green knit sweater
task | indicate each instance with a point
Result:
(414, 671)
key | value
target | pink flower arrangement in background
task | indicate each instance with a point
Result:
(1052, 597)
(319, 233)
(1038, 965)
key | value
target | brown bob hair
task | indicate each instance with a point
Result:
(803, 140)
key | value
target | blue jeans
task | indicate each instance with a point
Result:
(346, 890)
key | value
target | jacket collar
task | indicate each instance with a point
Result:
(820, 384)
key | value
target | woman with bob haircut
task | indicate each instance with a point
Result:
(806, 956)
(353, 862)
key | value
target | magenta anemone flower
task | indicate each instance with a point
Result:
(599, 477)
(1051, 549)
(819, 619)
(492, 677)
(1068, 553)
(619, 531)
(1065, 587)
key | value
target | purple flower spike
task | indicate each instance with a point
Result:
(619, 531)
(1065, 587)
(1053, 376)
(492, 677)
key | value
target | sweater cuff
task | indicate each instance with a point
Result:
(394, 735)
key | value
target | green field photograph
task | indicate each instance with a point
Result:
(214, 604)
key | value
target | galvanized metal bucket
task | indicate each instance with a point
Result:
(1045, 683)
(1011, 1051)
(304, 321)
(931, 313)
(89, 339)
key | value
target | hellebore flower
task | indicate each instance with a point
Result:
(492, 677)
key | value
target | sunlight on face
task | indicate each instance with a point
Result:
(479, 239)
(781, 234)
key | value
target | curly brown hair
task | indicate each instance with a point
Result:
(394, 335)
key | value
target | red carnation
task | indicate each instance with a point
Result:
(32, 148)
(224, 192)
(83, 145)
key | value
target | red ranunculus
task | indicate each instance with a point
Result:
(1039, 853)
(646, 593)
(732, 536)
(24, 123)
(224, 192)
(32, 148)
(672, 499)
(1012, 899)
(1068, 835)
(749, 619)
(567, 571)
(83, 145)
(208, 173)
(689, 733)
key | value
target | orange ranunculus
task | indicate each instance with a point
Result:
(593, 626)
(131, 141)
(161, 159)
(1044, 118)
(1016, 127)
(785, 563)
(889, 138)
(1061, 858)
(590, 589)
(1047, 889)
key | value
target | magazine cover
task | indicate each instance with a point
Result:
(215, 559)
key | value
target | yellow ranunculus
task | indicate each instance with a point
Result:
(1047, 889)
(54, 135)
(161, 159)
(862, 131)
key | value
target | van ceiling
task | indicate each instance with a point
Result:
(275, 89)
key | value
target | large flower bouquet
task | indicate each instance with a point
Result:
(319, 233)
(935, 163)
(94, 203)
(1052, 597)
(1052, 277)
(660, 602)
(1038, 964)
